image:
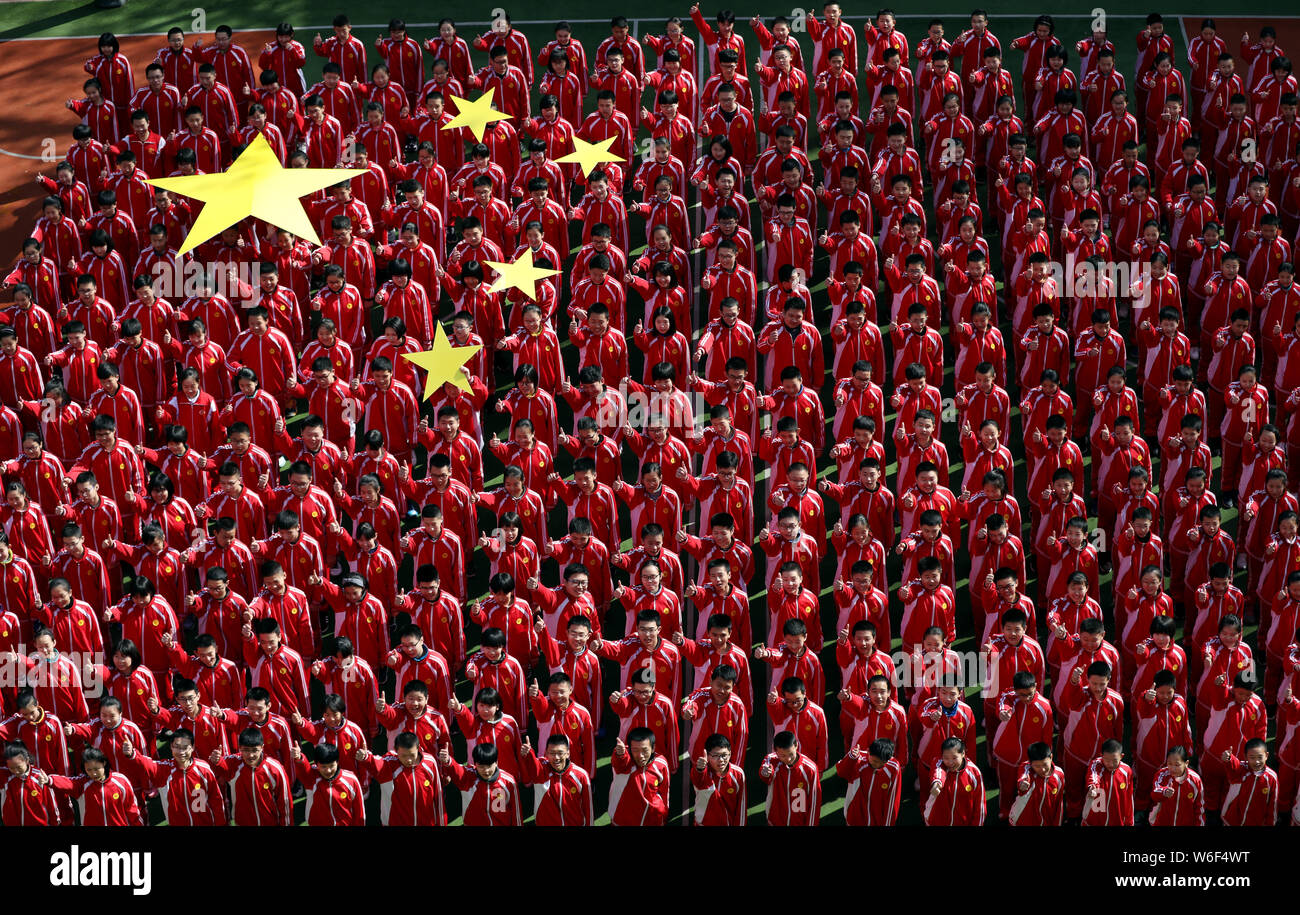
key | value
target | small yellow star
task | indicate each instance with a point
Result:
(590, 155)
(521, 275)
(443, 363)
(476, 115)
(255, 184)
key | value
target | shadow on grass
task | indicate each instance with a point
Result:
(36, 26)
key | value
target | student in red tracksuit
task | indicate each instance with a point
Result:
(491, 794)
(1251, 799)
(190, 792)
(1040, 790)
(1237, 718)
(1245, 412)
(26, 792)
(717, 709)
(116, 466)
(27, 796)
(334, 794)
(275, 666)
(1288, 729)
(720, 798)
(934, 720)
(956, 789)
(1177, 795)
(1161, 723)
(874, 778)
(1162, 350)
(410, 783)
(260, 788)
(563, 788)
(1094, 714)
(1026, 719)
(638, 795)
(105, 795)
(1110, 788)
(794, 784)
(268, 353)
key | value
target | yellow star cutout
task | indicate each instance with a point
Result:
(521, 275)
(443, 363)
(255, 184)
(590, 155)
(476, 115)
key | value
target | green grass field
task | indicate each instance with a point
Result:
(69, 19)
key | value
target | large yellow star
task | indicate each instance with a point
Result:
(476, 115)
(521, 275)
(443, 363)
(590, 155)
(254, 185)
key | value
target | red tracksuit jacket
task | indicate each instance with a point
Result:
(1186, 807)
(873, 795)
(336, 801)
(719, 799)
(190, 796)
(1114, 805)
(1044, 803)
(639, 796)
(107, 803)
(493, 802)
(1252, 798)
(408, 796)
(564, 797)
(960, 801)
(794, 793)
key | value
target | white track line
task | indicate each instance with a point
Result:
(16, 155)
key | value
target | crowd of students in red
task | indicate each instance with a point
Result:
(184, 557)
